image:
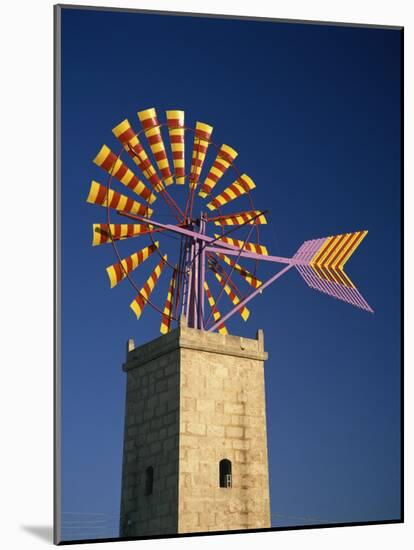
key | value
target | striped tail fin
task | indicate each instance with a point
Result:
(321, 263)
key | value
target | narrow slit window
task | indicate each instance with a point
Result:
(225, 473)
(149, 480)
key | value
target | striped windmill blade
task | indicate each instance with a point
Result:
(151, 126)
(225, 157)
(321, 262)
(118, 271)
(141, 299)
(247, 276)
(166, 314)
(107, 160)
(244, 312)
(102, 196)
(215, 312)
(243, 185)
(104, 233)
(175, 121)
(129, 139)
(251, 247)
(201, 142)
(252, 217)
(214, 265)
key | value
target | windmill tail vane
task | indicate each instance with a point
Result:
(208, 262)
(321, 264)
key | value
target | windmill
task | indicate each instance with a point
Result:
(195, 417)
(209, 244)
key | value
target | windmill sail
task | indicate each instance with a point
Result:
(225, 158)
(244, 312)
(252, 217)
(104, 233)
(129, 139)
(243, 185)
(151, 126)
(167, 313)
(247, 276)
(118, 271)
(251, 247)
(139, 302)
(107, 160)
(175, 121)
(201, 142)
(214, 311)
(102, 196)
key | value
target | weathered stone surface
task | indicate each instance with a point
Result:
(194, 398)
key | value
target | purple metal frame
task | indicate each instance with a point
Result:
(251, 296)
(197, 244)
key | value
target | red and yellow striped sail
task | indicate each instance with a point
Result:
(166, 314)
(225, 157)
(244, 312)
(201, 142)
(107, 160)
(139, 302)
(243, 185)
(102, 196)
(118, 271)
(328, 262)
(151, 126)
(251, 247)
(175, 121)
(129, 139)
(119, 231)
(249, 277)
(215, 312)
(252, 217)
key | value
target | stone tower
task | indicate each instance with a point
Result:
(195, 447)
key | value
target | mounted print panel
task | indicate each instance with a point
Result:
(212, 173)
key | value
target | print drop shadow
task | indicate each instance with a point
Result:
(43, 532)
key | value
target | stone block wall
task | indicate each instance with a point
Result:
(194, 398)
(151, 440)
(222, 416)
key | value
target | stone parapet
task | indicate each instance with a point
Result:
(197, 340)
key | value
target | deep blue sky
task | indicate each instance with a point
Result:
(314, 112)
